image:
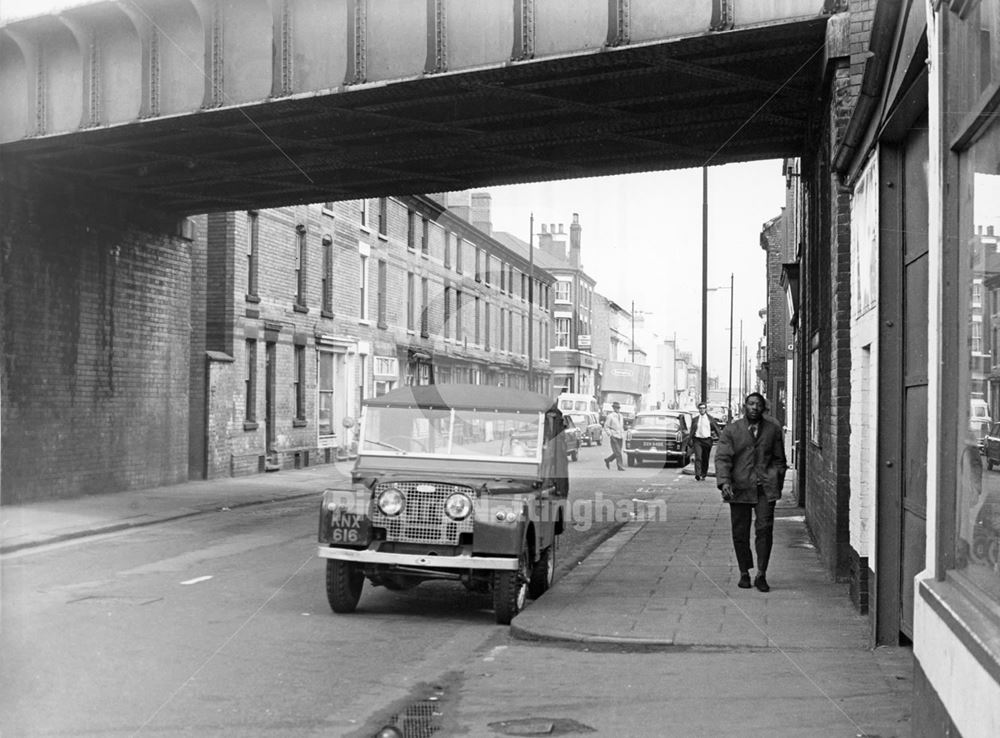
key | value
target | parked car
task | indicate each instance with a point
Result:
(660, 436)
(991, 446)
(459, 482)
(590, 428)
(573, 438)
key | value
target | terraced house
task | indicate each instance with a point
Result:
(311, 308)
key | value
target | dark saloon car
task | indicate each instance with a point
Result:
(590, 428)
(460, 482)
(660, 436)
(991, 446)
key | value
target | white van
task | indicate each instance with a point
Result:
(979, 419)
(570, 402)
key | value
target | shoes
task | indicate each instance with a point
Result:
(744, 582)
(761, 583)
(621, 468)
(697, 478)
(607, 464)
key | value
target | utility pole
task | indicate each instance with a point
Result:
(704, 284)
(531, 298)
(633, 331)
(743, 393)
(729, 406)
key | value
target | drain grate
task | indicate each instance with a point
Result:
(420, 719)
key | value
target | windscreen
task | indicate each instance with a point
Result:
(446, 433)
(659, 422)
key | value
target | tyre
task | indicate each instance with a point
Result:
(575, 454)
(344, 581)
(542, 573)
(631, 460)
(510, 591)
(989, 464)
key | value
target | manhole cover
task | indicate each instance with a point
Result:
(540, 726)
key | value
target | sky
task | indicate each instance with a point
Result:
(642, 242)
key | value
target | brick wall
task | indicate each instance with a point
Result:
(827, 329)
(95, 330)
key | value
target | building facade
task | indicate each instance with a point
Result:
(313, 308)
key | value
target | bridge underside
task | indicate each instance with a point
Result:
(711, 99)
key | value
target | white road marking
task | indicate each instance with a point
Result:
(196, 580)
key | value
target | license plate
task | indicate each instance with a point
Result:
(345, 527)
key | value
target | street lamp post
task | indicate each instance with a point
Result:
(704, 284)
(531, 298)
(729, 408)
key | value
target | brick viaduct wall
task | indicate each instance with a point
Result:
(95, 330)
(827, 323)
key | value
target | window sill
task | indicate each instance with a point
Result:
(383, 236)
(253, 298)
(297, 423)
(969, 616)
(383, 325)
(365, 229)
(326, 314)
(300, 308)
(364, 321)
(250, 425)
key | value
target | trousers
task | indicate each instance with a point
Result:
(762, 513)
(702, 450)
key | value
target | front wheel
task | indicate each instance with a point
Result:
(510, 591)
(543, 573)
(344, 580)
(631, 460)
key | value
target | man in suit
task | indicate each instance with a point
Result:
(750, 471)
(704, 428)
(614, 426)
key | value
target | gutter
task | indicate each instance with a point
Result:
(879, 52)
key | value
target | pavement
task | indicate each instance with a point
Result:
(665, 581)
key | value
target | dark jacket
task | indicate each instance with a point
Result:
(745, 462)
(715, 429)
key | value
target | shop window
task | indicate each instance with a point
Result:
(977, 503)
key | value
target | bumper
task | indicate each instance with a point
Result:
(368, 556)
(657, 454)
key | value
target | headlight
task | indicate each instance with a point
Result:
(458, 506)
(391, 502)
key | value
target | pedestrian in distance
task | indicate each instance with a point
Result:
(704, 430)
(614, 426)
(750, 471)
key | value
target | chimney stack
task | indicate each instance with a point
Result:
(574, 241)
(482, 204)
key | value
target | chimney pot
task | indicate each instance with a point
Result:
(989, 230)
(545, 228)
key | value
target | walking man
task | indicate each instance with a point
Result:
(615, 428)
(704, 428)
(750, 471)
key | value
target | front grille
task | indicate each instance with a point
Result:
(423, 519)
